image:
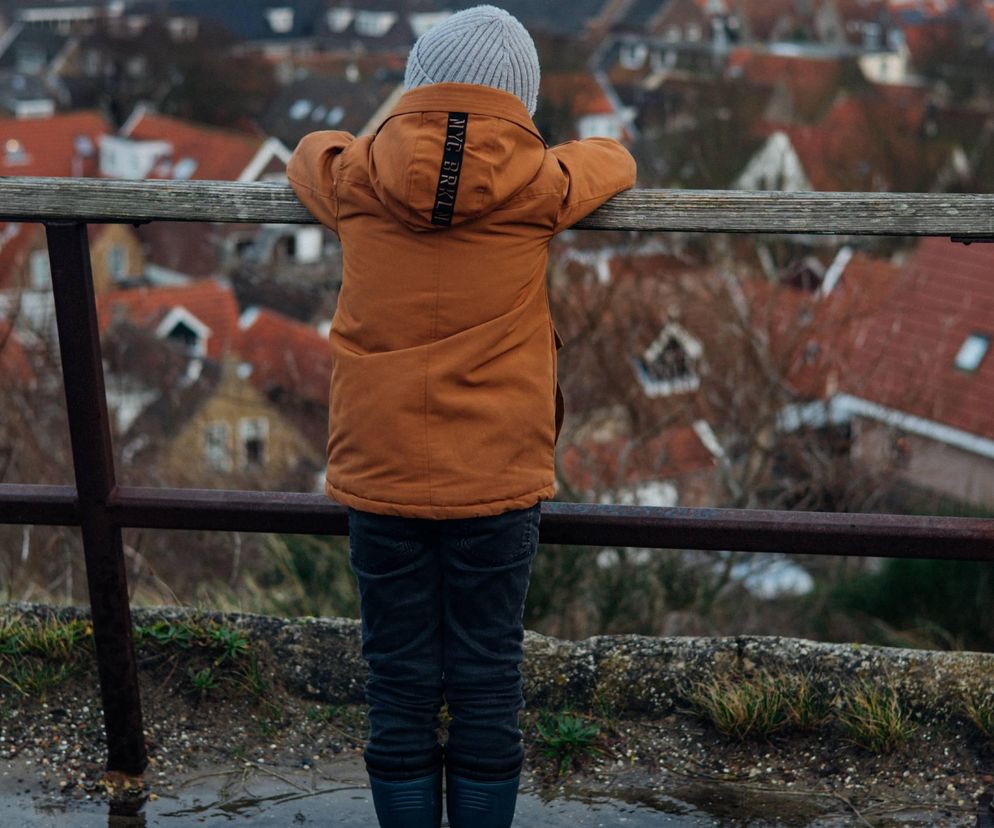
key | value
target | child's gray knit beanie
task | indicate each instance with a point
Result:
(483, 45)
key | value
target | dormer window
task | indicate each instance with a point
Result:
(633, 55)
(374, 23)
(669, 365)
(14, 153)
(179, 325)
(280, 19)
(339, 19)
(973, 351)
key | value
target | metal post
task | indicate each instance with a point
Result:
(93, 463)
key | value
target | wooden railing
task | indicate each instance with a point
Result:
(101, 508)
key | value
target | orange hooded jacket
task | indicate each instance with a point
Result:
(444, 400)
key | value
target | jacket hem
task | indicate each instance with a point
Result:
(435, 512)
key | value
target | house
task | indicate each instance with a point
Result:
(62, 145)
(33, 50)
(671, 468)
(888, 139)
(190, 421)
(313, 102)
(289, 359)
(155, 146)
(581, 105)
(920, 387)
(656, 345)
(804, 86)
(202, 316)
(152, 145)
(116, 256)
(270, 26)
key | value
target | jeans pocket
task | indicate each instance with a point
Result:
(495, 540)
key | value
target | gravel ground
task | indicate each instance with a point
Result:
(255, 716)
(938, 779)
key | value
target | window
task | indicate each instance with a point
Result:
(669, 365)
(217, 445)
(40, 272)
(186, 336)
(253, 434)
(339, 19)
(374, 23)
(633, 55)
(14, 153)
(300, 109)
(117, 263)
(280, 19)
(184, 169)
(972, 352)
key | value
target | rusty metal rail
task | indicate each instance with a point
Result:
(101, 508)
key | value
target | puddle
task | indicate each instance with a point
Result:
(292, 798)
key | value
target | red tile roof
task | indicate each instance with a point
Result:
(578, 90)
(869, 143)
(48, 146)
(907, 350)
(812, 338)
(209, 300)
(286, 354)
(618, 463)
(220, 154)
(812, 82)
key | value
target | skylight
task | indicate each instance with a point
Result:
(300, 109)
(972, 352)
(184, 168)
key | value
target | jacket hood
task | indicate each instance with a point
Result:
(449, 153)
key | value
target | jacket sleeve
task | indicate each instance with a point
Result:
(595, 170)
(312, 169)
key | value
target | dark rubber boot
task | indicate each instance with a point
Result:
(409, 803)
(472, 803)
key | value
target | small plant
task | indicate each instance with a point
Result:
(873, 718)
(807, 707)
(32, 678)
(567, 738)
(253, 679)
(166, 633)
(741, 707)
(202, 680)
(324, 715)
(980, 711)
(230, 641)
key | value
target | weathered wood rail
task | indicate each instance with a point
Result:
(714, 211)
(100, 508)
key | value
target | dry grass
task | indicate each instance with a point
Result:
(872, 717)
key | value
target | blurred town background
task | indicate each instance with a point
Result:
(818, 373)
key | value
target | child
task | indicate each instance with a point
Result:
(444, 407)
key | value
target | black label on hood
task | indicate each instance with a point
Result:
(448, 174)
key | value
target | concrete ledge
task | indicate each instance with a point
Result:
(629, 675)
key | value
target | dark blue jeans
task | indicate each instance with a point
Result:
(442, 603)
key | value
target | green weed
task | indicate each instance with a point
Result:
(567, 739)
(807, 707)
(980, 711)
(202, 681)
(232, 643)
(30, 677)
(742, 707)
(872, 717)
